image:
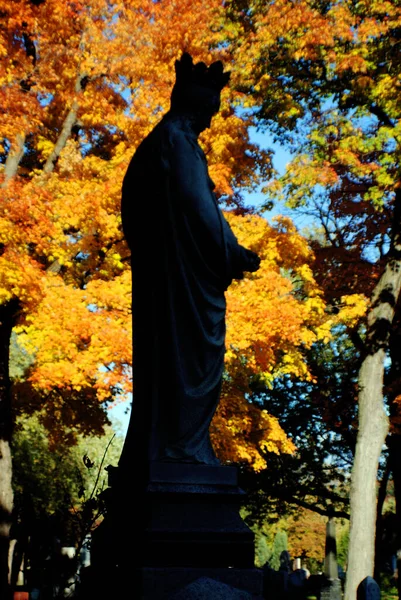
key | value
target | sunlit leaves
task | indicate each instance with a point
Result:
(81, 84)
(88, 345)
(273, 316)
(84, 88)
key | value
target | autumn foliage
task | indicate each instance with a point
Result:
(272, 316)
(307, 535)
(78, 96)
(80, 91)
(81, 84)
(324, 77)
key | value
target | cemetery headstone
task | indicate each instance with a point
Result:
(368, 589)
(331, 589)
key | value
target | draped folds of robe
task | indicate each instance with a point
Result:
(183, 256)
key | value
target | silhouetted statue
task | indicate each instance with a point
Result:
(184, 256)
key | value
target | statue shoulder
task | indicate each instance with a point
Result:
(178, 135)
(170, 143)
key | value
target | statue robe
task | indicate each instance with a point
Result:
(184, 256)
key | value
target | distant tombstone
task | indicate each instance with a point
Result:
(368, 589)
(330, 561)
(285, 561)
(297, 579)
(297, 564)
(307, 572)
(331, 589)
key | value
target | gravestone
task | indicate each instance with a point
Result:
(331, 589)
(368, 589)
(285, 561)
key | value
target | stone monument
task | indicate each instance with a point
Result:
(172, 503)
(183, 257)
(331, 589)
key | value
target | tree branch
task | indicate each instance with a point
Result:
(381, 115)
(13, 159)
(327, 512)
(68, 124)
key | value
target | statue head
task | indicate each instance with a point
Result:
(197, 90)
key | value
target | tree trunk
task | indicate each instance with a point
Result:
(7, 315)
(394, 442)
(373, 427)
(66, 129)
(395, 462)
(13, 159)
(372, 419)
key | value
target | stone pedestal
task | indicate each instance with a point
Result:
(184, 526)
(331, 590)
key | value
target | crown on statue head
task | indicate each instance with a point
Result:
(188, 74)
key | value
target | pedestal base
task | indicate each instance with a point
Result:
(331, 590)
(163, 583)
(193, 518)
(184, 526)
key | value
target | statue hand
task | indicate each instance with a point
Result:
(252, 261)
(249, 261)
